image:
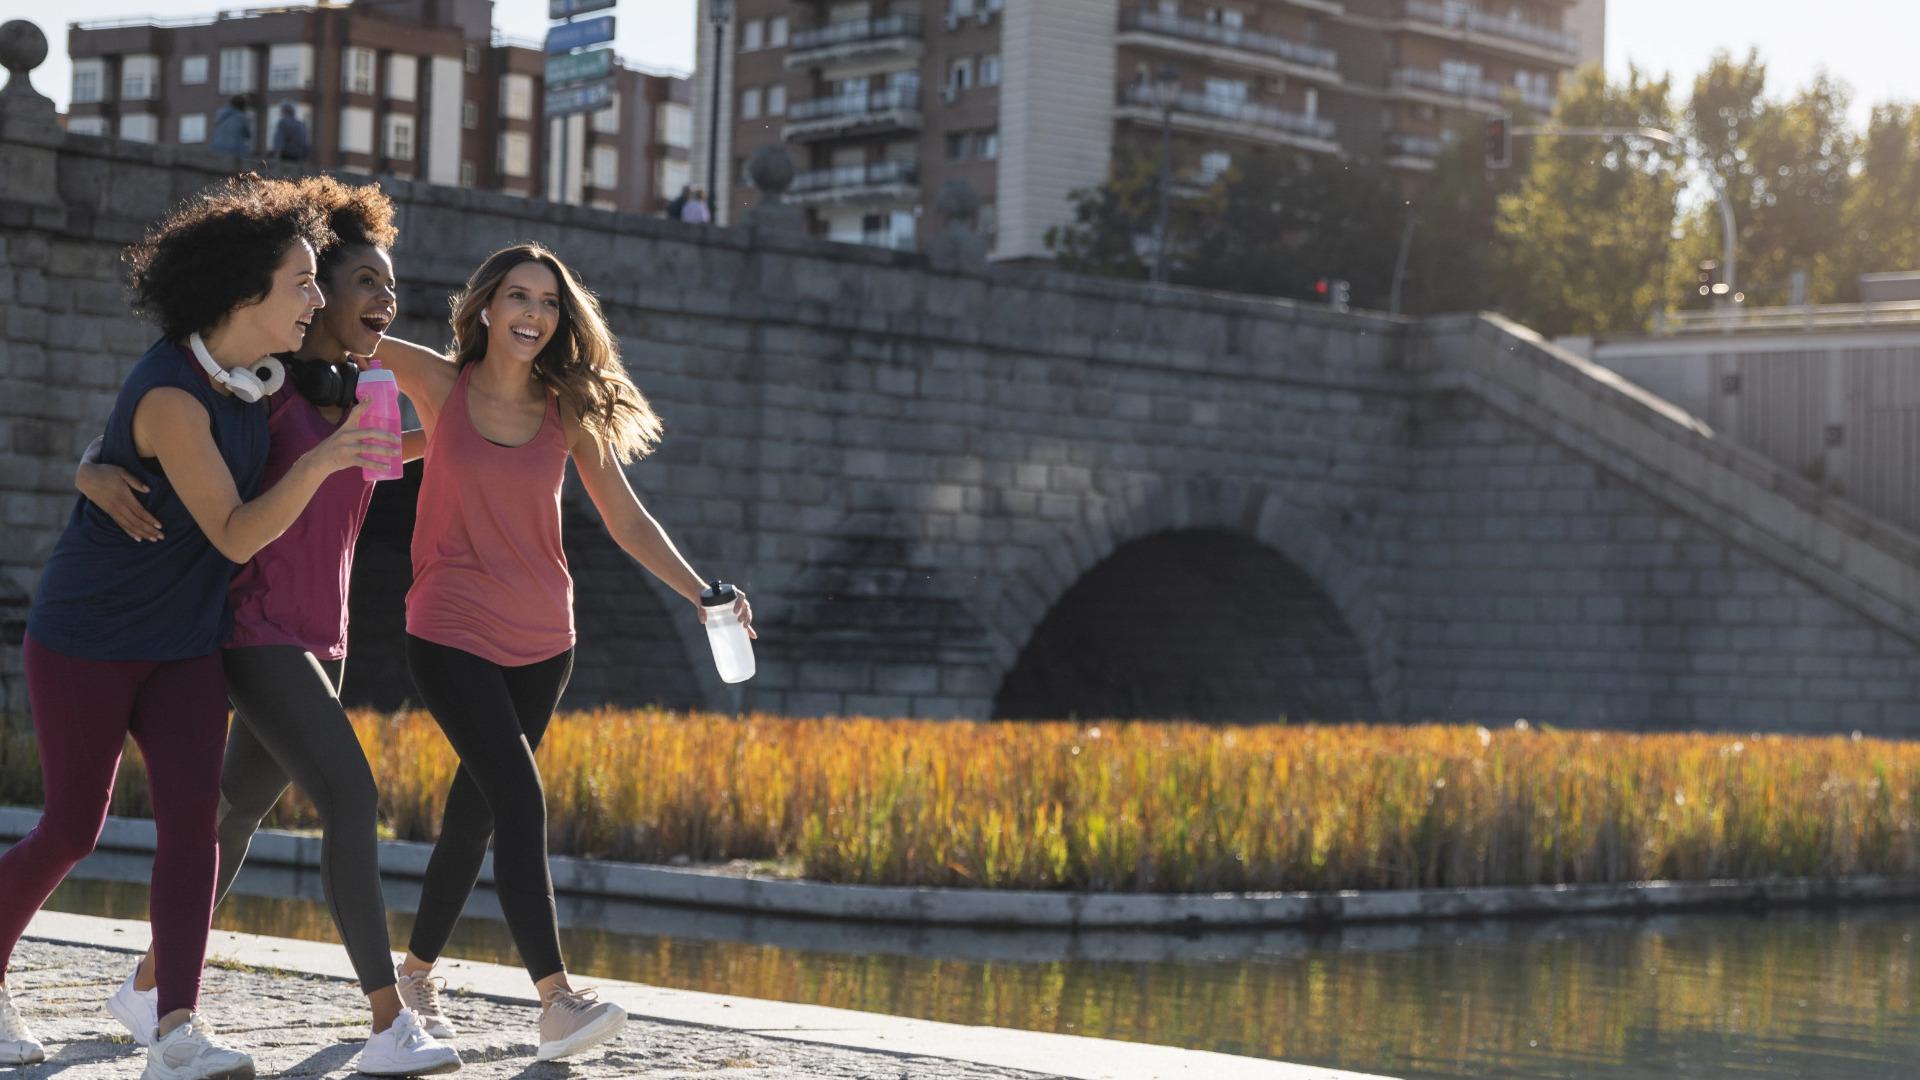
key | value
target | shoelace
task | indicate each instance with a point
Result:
(426, 990)
(574, 1000)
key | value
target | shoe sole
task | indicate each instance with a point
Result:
(439, 1029)
(245, 1072)
(585, 1039)
(119, 1011)
(446, 1067)
(23, 1059)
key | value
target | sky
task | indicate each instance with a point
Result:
(1867, 43)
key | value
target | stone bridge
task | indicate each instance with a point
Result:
(1005, 491)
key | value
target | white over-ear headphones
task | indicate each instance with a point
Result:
(259, 380)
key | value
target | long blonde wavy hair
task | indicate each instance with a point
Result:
(580, 363)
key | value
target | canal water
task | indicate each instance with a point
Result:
(1783, 994)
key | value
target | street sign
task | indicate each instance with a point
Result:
(585, 97)
(579, 67)
(569, 36)
(567, 9)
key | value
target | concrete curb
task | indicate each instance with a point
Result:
(1060, 910)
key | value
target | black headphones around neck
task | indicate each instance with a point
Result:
(328, 384)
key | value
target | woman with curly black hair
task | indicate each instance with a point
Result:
(124, 636)
(287, 653)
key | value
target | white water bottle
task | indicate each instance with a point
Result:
(732, 651)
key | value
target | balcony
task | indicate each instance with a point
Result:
(871, 112)
(856, 41)
(1237, 119)
(1456, 91)
(1508, 35)
(881, 181)
(1232, 45)
(1413, 151)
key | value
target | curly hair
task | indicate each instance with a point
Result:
(218, 251)
(358, 214)
(581, 364)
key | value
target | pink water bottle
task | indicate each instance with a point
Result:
(382, 394)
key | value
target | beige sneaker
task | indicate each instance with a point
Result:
(572, 1021)
(421, 993)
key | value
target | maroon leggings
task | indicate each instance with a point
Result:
(83, 711)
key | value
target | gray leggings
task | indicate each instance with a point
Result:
(288, 723)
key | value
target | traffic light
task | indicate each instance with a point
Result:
(1499, 143)
(1321, 288)
(1335, 291)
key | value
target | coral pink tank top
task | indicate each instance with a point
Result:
(489, 574)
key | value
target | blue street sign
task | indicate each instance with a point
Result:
(579, 67)
(567, 9)
(586, 97)
(569, 36)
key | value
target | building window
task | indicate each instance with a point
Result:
(777, 100)
(989, 143)
(356, 130)
(672, 176)
(990, 69)
(777, 32)
(515, 154)
(473, 59)
(516, 97)
(193, 70)
(399, 138)
(988, 221)
(403, 77)
(139, 78)
(1312, 101)
(960, 9)
(236, 71)
(140, 127)
(960, 74)
(470, 115)
(606, 168)
(356, 70)
(1227, 90)
(607, 121)
(468, 174)
(959, 144)
(752, 35)
(750, 103)
(675, 122)
(1214, 165)
(290, 67)
(193, 128)
(1228, 17)
(87, 77)
(86, 125)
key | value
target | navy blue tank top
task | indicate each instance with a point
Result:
(105, 596)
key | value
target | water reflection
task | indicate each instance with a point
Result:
(1734, 995)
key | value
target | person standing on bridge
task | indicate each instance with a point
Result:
(535, 378)
(124, 636)
(286, 657)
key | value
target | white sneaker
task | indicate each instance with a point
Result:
(421, 993)
(17, 1044)
(137, 1010)
(405, 1049)
(574, 1021)
(188, 1052)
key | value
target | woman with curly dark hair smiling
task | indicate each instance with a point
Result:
(124, 636)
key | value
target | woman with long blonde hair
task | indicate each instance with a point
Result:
(534, 378)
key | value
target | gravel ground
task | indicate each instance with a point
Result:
(311, 1026)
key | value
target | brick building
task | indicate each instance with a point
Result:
(415, 88)
(881, 101)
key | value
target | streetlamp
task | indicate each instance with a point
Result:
(1167, 93)
(720, 12)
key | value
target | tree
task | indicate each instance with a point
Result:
(1880, 224)
(1583, 242)
(1112, 234)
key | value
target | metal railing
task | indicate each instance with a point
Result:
(877, 174)
(1440, 82)
(872, 101)
(1804, 317)
(1414, 146)
(1247, 112)
(906, 24)
(1480, 22)
(177, 21)
(1230, 36)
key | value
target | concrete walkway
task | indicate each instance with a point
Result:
(293, 1005)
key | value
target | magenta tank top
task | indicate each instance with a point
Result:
(294, 591)
(489, 574)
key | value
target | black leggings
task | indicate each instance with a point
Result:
(494, 716)
(288, 722)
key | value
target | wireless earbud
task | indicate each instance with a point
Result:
(484, 321)
(252, 383)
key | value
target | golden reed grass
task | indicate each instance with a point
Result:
(1173, 807)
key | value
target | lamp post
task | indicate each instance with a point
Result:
(1167, 91)
(720, 12)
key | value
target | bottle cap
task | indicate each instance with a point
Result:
(717, 594)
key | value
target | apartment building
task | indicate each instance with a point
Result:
(422, 89)
(882, 101)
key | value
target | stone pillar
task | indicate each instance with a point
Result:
(27, 173)
(959, 245)
(771, 170)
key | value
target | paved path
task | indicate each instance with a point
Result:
(292, 1004)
